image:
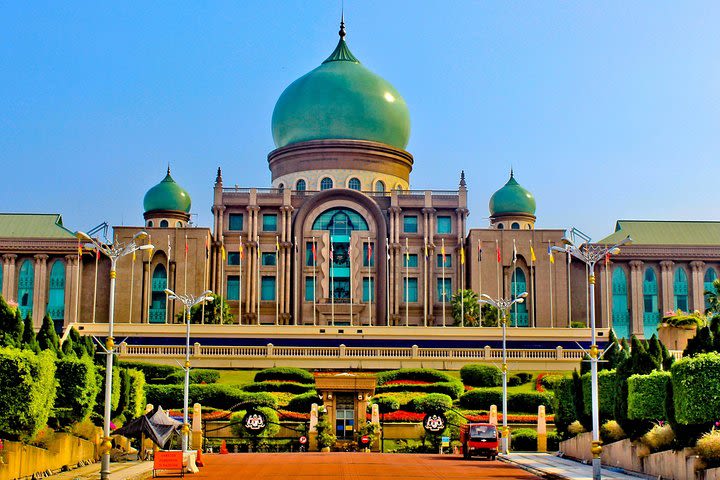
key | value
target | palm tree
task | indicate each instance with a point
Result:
(470, 308)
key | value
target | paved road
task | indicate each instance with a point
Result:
(366, 466)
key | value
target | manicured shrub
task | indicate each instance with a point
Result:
(551, 382)
(114, 394)
(28, 339)
(523, 440)
(611, 431)
(708, 447)
(576, 428)
(289, 387)
(525, 377)
(432, 403)
(514, 381)
(199, 375)
(11, 325)
(214, 395)
(47, 336)
(696, 388)
(303, 403)
(153, 373)
(565, 412)
(77, 390)
(422, 374)
(284, 374)
(659, 437)
(607, 384)
(137, 401)
(386, 404)
(646, 396)
(528, 402)
(28, 382)
(481, 399)
(481, 375)
(272, 428)
(452, 389)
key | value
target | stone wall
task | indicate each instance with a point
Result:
(22, 460)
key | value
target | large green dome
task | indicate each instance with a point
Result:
(512, 198)
(167, 195)
(341, 99)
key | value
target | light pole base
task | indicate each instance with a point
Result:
(596, 468)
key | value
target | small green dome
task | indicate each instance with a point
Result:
(512, 198)
(341, 99)
(167, 195)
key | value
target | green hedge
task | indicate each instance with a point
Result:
(77, 390)
(199, 375)
(564, 405)
(386, 404)
(137, 401)
(215, 395)
(289, 387)
(432, 403)
(421, 374)
(481, 375)
(302, 403)
(525, 440)
(452, 389)
(696, 388)
(28, 384)
(552, 382)
(646, 396)
(518, 402)
(284, 374)
(607, 386)
(153, 373)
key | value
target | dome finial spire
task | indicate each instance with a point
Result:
(511, 171)
(168, 170)
(342, 22)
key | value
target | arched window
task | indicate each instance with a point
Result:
(515, 226)
(56, 295)
(163, 223)
(326, 183)
(620, 310)
(354, 184)
(150, 223)
(178, 224)
(26, 283)
(379, 186)
(710, 277)
(300, 185)
(340, 221)
(651, 310)
(398, 187)
(281, 186)
(159, 284)
(519, 312)
(500, 226)
(680, 289)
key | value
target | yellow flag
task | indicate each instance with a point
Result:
(134, 255)
(407, 251)
(462, 256)
(532, 254)
(222, 252)
(277, 244)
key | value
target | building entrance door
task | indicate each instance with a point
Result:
(344, 416)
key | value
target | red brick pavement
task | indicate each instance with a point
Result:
(366, 466)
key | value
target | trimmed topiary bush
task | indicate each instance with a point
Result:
(528, 402)
(284, 374)
(607, 385)
(523, 440)
(452, 389)
(386, 404)
(289, 387)
(525, 377)
(432, 403)
(421, 374)
(153, 373)
(136, 401)
(272, 428)
(214, 395)
(659, 437)
(199, 375)
(303, 403)
(564, 406)
(28, 381)
(611, 431)
(481, 399)
(646, 396)
(514, 381)
(77, 390)
(696, 388)
(552, 381)
(481, 375)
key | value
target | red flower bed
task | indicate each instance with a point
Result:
(407, 382)
(403, 416)
(538, 382)
(293, 416)
(400, 416)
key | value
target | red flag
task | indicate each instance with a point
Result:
(499, 257)
(314, 253)
(97, 253)
(186, 247)
(607, 258)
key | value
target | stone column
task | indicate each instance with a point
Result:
(666, 282)
(429, 213)
(71, 288)
(9, 287)
(604, 307)
(146, 286)
(40, 289)
(636, 297)
(697, 299)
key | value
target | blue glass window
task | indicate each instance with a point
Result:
(380, 186)
(267, 288)
(519, 311)
(371, 263)
(326, 183)
(309, 289)
(340, 221)
(159, 284)
(410, 290)
(300, 186)
(268, 259)
(270, 222)
(620, 310)
(710, 277)
(233, 287)
(56, 294)
(26, 285)
(233, 258)
(354, 184)
(680, 289)
(309, 261)
(515, 226)
(368, 289)
(651, 310)
(448, 260)
(411, 260)
(444, 224)
(444, 289)
(410, 224)
(236, 221)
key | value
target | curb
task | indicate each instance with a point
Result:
(534, 471)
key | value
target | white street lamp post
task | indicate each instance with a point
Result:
(113, 251)
(188, 301)
(590, 254)
(503, 305)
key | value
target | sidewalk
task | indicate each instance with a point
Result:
(118, 471)
(544, 464)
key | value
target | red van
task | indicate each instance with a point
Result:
(479, 439)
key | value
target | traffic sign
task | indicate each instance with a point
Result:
(303, 439)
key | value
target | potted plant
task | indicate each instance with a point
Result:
(678, 327)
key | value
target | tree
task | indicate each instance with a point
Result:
(11, 325)
(212, 312)
(713, 299)
(47, 336)
(702, 342)
(655, 349)
(611, 353)
(28, 339)
(465, 303)
(490, 315)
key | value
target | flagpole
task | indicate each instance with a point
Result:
(569, 260)
(167, 283)
(387, 281)
(332, 285)
(240, 297)
(497, 268)
(314, 255)
(222, 282)
(462, 282)
(257, 269)
(425, 282)
(185, 269)
(77, 286)
(296, 290)
(149, 296)
(480, 277)
(514, 277)
(205, 280)
(407, 284)
(607, 290)
(97, 258)
(277, 277)
(370, 284)
(550, 264)
(532, 284)
(132, 284)
(351, 278)
(443, 279)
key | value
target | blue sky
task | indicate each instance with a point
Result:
(605, 110)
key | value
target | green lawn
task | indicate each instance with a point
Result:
(237, 377)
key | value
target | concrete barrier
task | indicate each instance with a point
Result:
(578, 447)
(680, 465)
(63, 450)
(622, 454)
